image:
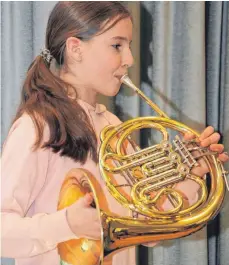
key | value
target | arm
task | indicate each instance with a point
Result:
(23, 176)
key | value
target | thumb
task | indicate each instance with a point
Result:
(85, 201)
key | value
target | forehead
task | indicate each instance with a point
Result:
(122, 28)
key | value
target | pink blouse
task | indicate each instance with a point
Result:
(31, 181)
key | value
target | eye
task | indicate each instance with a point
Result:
(116, 46)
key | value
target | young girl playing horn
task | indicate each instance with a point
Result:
(57, 128)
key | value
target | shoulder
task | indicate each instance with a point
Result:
(24, 125)
(24, 129)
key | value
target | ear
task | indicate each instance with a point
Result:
(74, 48)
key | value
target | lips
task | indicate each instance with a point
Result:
(119, 76)
(118, 79)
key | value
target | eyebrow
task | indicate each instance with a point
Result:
(121, 38)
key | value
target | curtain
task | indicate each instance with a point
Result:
(22, 37)
(181, 52)
(217, 112)
(184, 69)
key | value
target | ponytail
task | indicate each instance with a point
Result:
(45, 99)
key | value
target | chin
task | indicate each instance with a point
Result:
(113, 92)
(110, 89)
(116, 89)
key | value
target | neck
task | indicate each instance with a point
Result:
(84, 93)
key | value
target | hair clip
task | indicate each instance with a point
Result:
(46, 55)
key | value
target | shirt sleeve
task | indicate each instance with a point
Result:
(23, 174)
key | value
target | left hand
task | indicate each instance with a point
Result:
(208, 138)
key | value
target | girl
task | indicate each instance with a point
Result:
(57, 128)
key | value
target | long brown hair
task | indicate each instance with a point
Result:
(45, 96)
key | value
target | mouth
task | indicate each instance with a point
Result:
(119, 77)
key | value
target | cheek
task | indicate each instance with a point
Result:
(108, 60)
(102, 65)
(111, 65)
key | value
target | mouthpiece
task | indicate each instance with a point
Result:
(126, 80)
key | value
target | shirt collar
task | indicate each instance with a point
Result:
(98, 109)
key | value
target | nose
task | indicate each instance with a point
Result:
(128, 59)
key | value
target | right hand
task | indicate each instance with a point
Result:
(83, 219)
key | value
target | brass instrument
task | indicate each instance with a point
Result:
(149, 176)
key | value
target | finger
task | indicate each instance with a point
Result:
(212, 139)
(91, 194)
(217, 148)
(151, 244)
(189, 136)
(87, 199)
(206, 133)
(224, 157)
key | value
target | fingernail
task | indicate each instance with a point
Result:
(226, 153)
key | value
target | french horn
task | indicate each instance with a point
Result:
(149, 176)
